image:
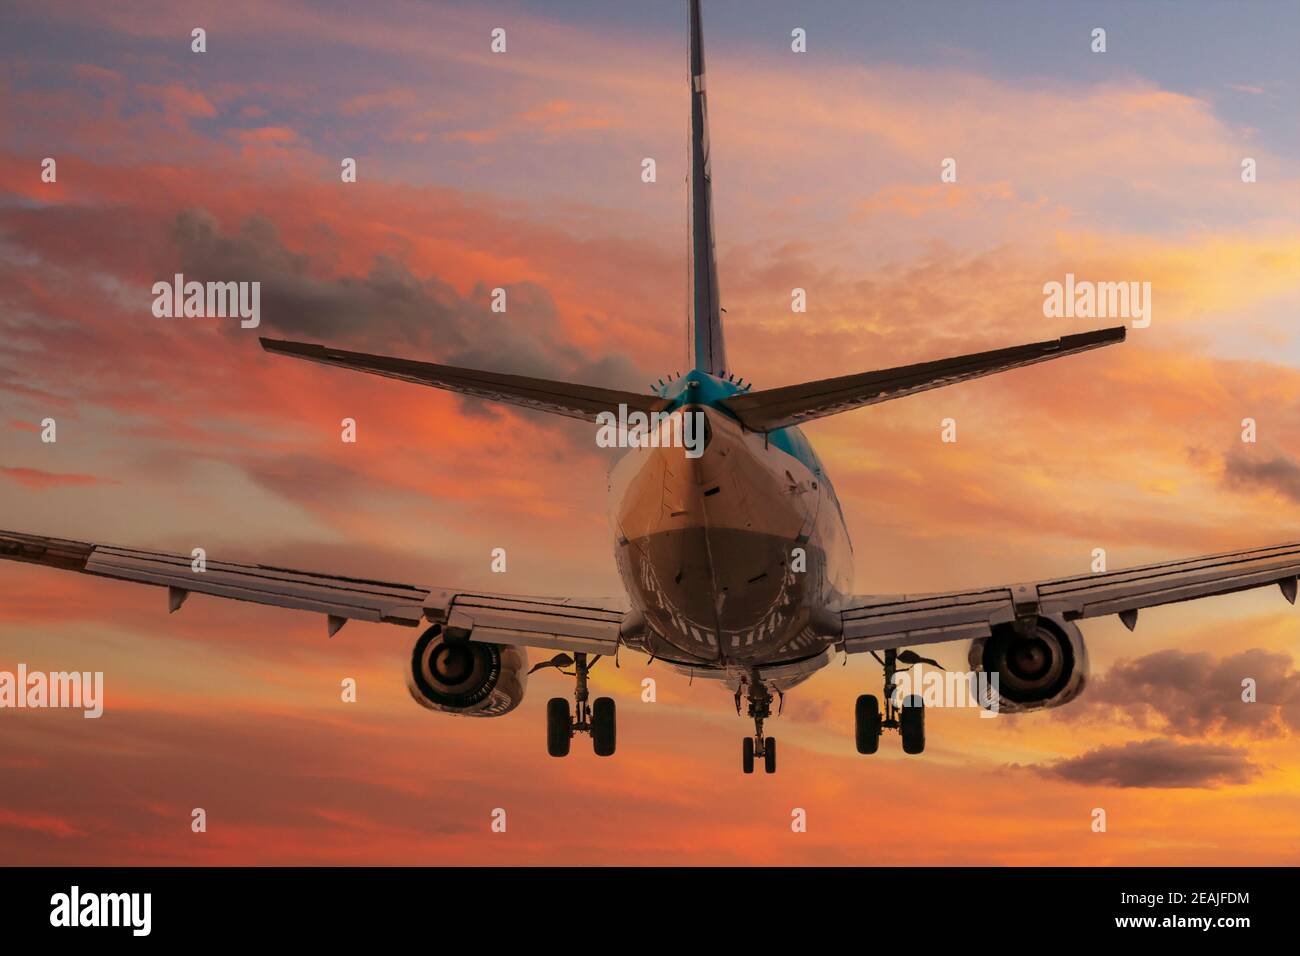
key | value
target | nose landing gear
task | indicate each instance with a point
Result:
(760, 708)
(598, 719)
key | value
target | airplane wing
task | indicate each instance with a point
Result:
(879, 622)
(562, 623)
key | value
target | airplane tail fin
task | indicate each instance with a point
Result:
(775, 408)
(547, 395)
(710, 354)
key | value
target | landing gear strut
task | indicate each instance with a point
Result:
(760, 708)
(908, 720)
(598, 719)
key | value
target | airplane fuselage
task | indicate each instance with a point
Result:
(734, 559)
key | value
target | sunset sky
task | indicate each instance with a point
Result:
(522, 170)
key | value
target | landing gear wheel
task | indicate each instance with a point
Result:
(866, 724)
(760, 709)
(559, 727)
(603, 726)
(911, 725)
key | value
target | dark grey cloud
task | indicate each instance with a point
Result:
(385, 306)
(390, 310)
(1156, 764)
(1192, 694)
(1279, 473)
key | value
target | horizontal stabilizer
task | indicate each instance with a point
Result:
(775, 408)
(559, 398)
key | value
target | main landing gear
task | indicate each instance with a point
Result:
(597, 720)
(760, 708)
(908, 720)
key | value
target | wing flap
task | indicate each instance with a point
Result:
(340, 597)
(878, 623)
(590, 625)
(51, 552)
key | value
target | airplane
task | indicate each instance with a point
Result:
(737, 564)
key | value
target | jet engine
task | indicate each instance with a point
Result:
(1044, 666)
(466, 677)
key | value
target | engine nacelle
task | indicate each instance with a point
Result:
(1046, 668)
(469, 678)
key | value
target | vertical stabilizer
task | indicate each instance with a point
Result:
(706, 318)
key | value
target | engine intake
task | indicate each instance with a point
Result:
(465, 677)
(1046, 667)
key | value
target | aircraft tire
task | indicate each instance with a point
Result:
(559, 727)
(603, 726)
(866, 724)
(912, 725)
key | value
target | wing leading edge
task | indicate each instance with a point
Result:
(561, 623)
(878, 622)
